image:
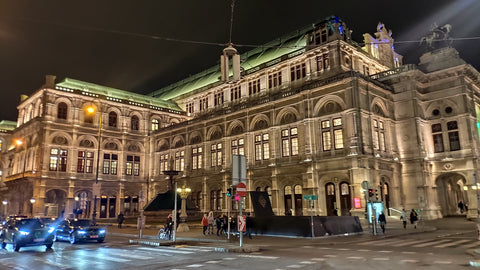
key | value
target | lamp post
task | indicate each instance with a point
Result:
(171, 173)
(32, 201)
(5, 205)
(184, 191)
(91, 111)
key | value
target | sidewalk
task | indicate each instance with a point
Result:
(221, 244)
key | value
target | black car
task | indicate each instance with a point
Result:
(75, 230)
(24, 232)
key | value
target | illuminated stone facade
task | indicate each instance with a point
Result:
(314, 112)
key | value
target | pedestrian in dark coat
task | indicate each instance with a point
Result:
(120, 220)
(413, 218)
(382, 220)
(219, 225)
(249, 223)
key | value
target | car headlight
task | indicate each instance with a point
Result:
(81, 232)
(101, 231)
(24, 233)
(51, 229)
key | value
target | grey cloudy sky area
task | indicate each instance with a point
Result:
(117, 44)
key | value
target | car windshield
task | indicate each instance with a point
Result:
(29, 223)
(81, 223)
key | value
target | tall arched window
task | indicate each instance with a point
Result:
(62, 110)
(112, 119)
(134, 123)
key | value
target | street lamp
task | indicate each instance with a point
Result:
(171, 173)
(5, 205)
(91, 110)
(32, 201)
(184, 191)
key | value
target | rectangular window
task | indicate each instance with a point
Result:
(437, 134)
(58, 160)
(85, 162)
(235, 93)
(338, 137)
(297, 72)
(262, 147)
(164, 163)
(216, 154)
(238, 147)
(189, 107)
(453, 137)
(110, 164)
(133, 165)
(332, 134)
(274, 80)
(203, 104)
(197, 156)
(289, 142)
(253, 87)
(378, 136)
(180, 161)
(218, 98)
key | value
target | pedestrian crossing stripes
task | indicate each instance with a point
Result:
(421, 243)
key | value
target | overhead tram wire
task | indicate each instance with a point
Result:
(178, 40)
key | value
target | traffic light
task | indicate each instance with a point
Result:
(376, 194)
(370, 192)
(229, 192)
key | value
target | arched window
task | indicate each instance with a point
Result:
(155, 124)
(112, 119)
(62, 110)
(135, 123)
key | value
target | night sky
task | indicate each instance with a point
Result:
(122, 43)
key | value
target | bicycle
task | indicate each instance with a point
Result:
(163, 233)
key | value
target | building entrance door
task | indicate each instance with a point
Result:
(330, 199)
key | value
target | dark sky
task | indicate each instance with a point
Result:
(112, 42)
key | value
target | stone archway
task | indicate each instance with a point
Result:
(450, 192)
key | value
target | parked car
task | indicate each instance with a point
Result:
(75, 230)
(23, 232)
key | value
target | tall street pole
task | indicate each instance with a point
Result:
(171, 173)
(91, 110)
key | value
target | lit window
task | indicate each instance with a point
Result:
(262, 147)
(58, 159)
(164, 162)
(110, 164)
(85, 162)
(216, 154)
(197, 157)
(155, 124)
(332, 134)
(133, 165)
(180, 161)
(238, 147)
(289, 142)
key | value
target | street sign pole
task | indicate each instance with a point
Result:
(240, 213)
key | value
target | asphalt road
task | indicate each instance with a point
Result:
(448, 247)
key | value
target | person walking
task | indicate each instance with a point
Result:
(120, 220)
(211, 222)
(219, 224)
(403, 218)
(169, 226)
(460, 207)
(382, 220)
(204, 223)
(413, 218)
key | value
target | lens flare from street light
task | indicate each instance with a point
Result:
(90, 110)
(18, 142)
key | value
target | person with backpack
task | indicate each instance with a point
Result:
(413, 218)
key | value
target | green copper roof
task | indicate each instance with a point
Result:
(7, 125)
(251, 61)
(113, 94)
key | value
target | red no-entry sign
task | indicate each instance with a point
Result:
(241, 189)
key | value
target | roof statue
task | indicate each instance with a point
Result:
(438, 37)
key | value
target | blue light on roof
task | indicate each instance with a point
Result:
(340, 28)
